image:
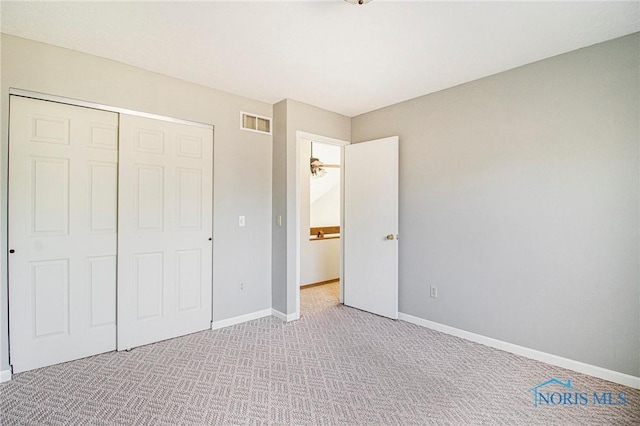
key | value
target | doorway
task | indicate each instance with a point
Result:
(328, 247)
(370, 175)
(320, 195)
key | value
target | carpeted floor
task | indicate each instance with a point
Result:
(335, 366)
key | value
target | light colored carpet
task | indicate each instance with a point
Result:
(335, 366)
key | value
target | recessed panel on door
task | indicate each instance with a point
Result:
(189, 198)
(149, 140)
(102, 276)
(50, 292)
(149, 197)
(149, 282)
(189, 267)
(189, 146)
(104, 137)
(49, 129)
(49, 196)
(103, 196)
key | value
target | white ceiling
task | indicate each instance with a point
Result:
(345, 58)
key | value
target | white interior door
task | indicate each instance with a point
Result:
(62, 232)
(371, 226)
(165, 229)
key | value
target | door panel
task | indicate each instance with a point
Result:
(50, 289)
(49, 196)
(61, 222)
(370, 215)
(148, 197)
(165, 222)
(103, 209)
(149, 281)
(189, 198)
(188, 272)
(102, 278)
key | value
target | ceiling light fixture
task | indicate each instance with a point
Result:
(318, 167)
(358, 1)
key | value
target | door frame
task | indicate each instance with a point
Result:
(302, 137)
(103, 107)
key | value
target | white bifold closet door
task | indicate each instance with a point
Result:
(62, 232)
(165, 230)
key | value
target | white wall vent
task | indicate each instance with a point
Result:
(255, 123)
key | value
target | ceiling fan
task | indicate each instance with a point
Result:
(318, 167)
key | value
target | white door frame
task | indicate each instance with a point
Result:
(104, 107)
(302, 137)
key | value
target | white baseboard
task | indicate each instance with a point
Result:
(580, 367)
(285, 317)
(5, 376)
(240, 319)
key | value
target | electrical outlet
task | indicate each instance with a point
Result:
(241, 286)
(434, 291)
(240, 220)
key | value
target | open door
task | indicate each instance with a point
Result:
(371, 226)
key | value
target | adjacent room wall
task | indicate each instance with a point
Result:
(519, 199)
(319, 261)
(242, 160)
(291, 116)
(325, 211)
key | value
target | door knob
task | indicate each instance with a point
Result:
(390, 237)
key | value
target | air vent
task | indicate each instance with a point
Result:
(255, 123)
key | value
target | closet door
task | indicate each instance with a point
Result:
(165, 230)
(62, 232)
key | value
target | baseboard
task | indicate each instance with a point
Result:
(284, 317)
(5, 376)
(240, 319)
(334, 280)
(580, 367)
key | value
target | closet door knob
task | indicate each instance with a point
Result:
(12, 251)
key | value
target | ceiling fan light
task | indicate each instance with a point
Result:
(317, 169)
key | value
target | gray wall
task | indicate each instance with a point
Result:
(242, 160)
(279, 205)
(519, 199)
(292, 116)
